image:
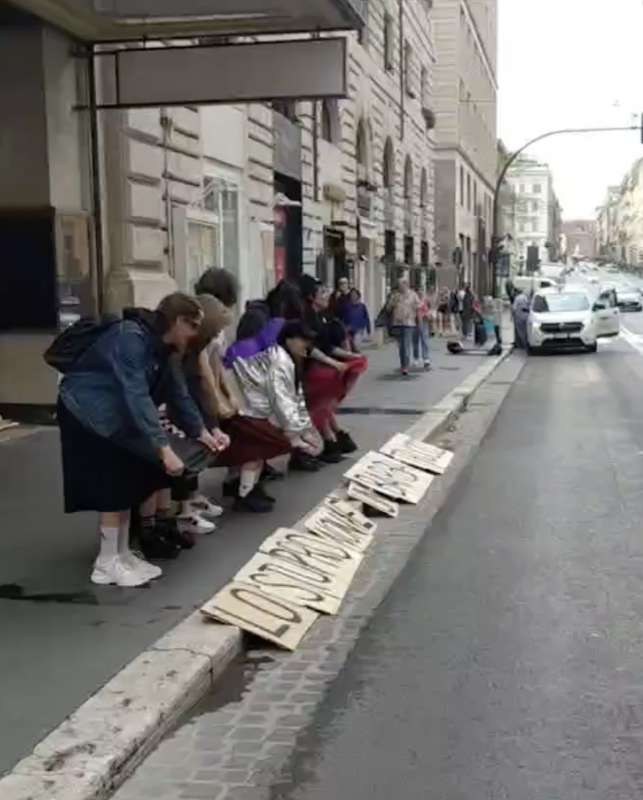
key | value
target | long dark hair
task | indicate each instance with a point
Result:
(285, 301)
(295, 329)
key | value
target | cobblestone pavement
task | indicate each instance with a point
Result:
(236, 745)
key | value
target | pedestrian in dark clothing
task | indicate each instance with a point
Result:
(356, 318)
(467, 310)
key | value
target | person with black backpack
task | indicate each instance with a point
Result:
(115, 452)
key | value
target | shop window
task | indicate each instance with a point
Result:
(213, 231)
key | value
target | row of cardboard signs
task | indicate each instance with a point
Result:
(298, 575)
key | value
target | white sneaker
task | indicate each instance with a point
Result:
(115, 571)
(195, 524)
(202, 505)
(141, 565)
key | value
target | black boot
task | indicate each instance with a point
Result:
(346, 442)
(253, 502)
(302, 462)
(169, 529)
(154, 545)
(331, 453)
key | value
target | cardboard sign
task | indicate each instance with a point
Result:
(352, 512)
(337, 560)
(418, 454)
(326, 523)
(390, 477)
(279, 578)
(276, 620)
(366, 495)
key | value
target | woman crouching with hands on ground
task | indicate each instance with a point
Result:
(115, 452)
(268, 368)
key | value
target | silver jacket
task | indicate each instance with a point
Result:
(267, 383)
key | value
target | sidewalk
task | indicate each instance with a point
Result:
(63, 638)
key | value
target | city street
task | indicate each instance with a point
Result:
(506, 661)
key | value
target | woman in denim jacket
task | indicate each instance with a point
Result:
(115, 452)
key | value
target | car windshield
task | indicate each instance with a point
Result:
(561, 302)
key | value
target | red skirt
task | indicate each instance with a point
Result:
(325, 388)
(251, 440)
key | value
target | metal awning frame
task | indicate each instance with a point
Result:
(84, 27)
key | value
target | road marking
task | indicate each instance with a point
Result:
(635, 340)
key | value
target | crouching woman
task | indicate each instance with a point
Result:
(115, 452)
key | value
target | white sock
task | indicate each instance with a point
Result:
(123, 539)
(248, 480)
(108, 543)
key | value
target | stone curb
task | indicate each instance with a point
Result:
(101, 744)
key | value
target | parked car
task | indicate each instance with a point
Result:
(566, 319)
(629, 298)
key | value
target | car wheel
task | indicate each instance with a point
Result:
(592, 348)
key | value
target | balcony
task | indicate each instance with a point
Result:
(103, 20)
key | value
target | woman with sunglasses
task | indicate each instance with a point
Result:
(115, 452)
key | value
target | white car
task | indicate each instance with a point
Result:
(570, 318)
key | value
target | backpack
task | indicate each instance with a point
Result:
(75, 341)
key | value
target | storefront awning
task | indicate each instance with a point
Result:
(119, 20)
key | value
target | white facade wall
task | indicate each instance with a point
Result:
(535, 206)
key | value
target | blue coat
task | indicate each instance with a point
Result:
(117, 385)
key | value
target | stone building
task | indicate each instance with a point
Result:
(620, 220)
(538, 212)
(580, 239)
(105, 208)
(466, 86)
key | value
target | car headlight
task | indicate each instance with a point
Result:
(535, 324)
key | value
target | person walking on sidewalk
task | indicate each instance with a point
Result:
(422, 332)
(403, 306)
(356, 318)
(467, 310)
(115, 453)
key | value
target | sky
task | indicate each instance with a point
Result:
(573, 63)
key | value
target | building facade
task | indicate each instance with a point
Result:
(104, 209)
(466, 87)
(620, 220)
(580, 238)
(368, 161)
(538, 216)
(334, 187)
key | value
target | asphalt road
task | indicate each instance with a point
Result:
(506, 664)
(59, 631)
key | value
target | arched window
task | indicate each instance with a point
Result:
(424, 188)
(408, 179)
(330, 125)
(388, 167)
